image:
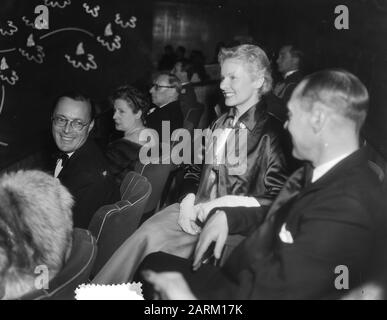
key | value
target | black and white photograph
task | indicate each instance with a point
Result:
(216, 150)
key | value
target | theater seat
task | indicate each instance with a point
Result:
(75, 272)
(157, 175)
(113, 224)
(193, 117)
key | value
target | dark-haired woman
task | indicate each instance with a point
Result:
(130, 106)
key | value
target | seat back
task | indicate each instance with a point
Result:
(157, 175)
(75, 272)
(193, 117)
(113, 224)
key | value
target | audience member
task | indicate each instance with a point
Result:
(180, 54)
(165, 95)
(130, 108)
(187, 96)
(197, 61)
(289, 63)
(246, 78)
(328, 215)
(80, 164)
(168, 59)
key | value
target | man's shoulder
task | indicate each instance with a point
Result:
(89, 157)
(351, 183)
(294, 78)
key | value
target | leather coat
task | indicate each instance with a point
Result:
(265, 169)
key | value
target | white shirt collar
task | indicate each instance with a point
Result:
(322, 169)
(287, 74)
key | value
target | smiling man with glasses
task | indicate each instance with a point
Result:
(165, 95)
(80, 165)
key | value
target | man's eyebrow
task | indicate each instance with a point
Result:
(75, 119)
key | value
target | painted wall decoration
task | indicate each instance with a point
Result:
(32, 51)
(57, 4)
(109, 39)
(81, 59)
(125, 24)
(80, 41)
(8, 28)
(93, 11)
(6, 73)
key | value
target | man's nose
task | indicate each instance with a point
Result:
(152, 89)
(67, 127)
(286, 124)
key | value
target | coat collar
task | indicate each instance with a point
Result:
(356, 158)
(250, 117)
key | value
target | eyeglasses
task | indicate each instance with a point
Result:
(75, 124)
(158, 86)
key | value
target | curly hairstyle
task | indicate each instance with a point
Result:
(256, 60)
(136, 99)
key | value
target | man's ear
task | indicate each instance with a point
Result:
(138, 114)
(319, 116)
(296, 62)
(91, 126)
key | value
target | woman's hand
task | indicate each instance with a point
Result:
(188, 215)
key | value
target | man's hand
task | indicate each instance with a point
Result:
(188, 214)
(169, 285)
(216, 229)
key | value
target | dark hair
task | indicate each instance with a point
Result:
(181, 49)
(136, 99)
(172, 80)
(77, 96)
(340, 90)
(296, 52)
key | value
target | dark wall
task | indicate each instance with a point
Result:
(197, 24)
(362, 49)
(43, 71)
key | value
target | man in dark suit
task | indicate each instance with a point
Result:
(289, 63)
(325, 232)
(165, 95)
(80, 165)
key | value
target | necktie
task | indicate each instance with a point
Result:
(64, 156)
(62, 160)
